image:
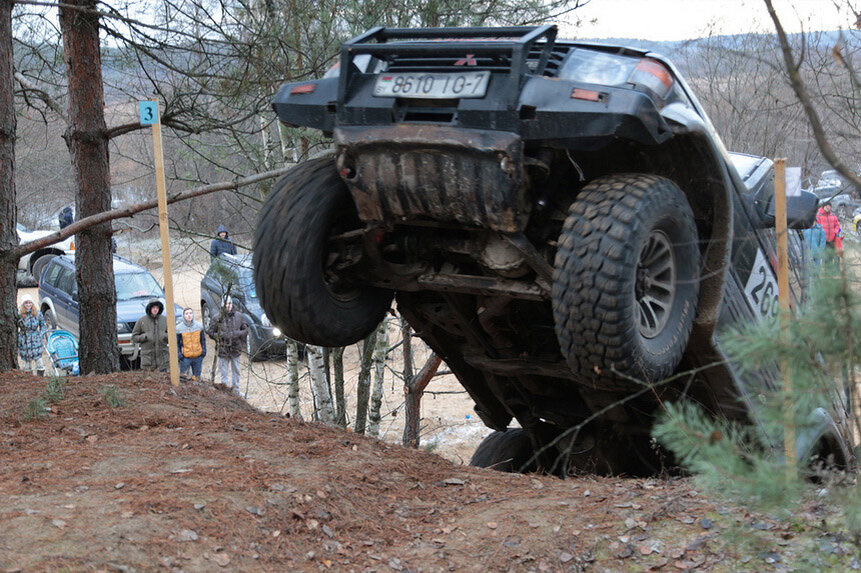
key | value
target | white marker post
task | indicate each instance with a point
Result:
(149, 115)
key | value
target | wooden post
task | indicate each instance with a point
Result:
(150, 115)
(783, 297)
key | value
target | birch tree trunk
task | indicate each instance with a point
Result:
(379, 363)
(363, 384)
(8, 215)
(87, 140)
(340, 401)
(293, 403)
(319, 385)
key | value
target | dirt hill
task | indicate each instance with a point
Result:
(194, 479)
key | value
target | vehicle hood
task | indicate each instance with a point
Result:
(131, 310)
(26, 237)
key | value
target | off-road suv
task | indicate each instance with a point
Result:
(558, 220)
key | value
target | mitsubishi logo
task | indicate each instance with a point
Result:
(469, 60)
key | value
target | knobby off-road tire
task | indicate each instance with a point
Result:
(626, 281)
(508, 451)
(293, 268)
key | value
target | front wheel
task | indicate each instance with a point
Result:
(51, 319)
(254, 348)
(626, 281)
(299, 251)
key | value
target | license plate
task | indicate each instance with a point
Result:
(432, 86)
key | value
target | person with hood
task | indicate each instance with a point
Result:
(32, 330)
(221, 245)
(191, 343)
(229, 330)
(66, 217)
(150, 332)
(814, 239)
(831, 227)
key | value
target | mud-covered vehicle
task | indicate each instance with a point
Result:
(559, 221)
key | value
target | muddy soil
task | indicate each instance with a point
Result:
(194, 479)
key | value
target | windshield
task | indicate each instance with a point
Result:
(136, 285)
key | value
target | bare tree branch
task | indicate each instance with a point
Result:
(132, 210)
(807, 103)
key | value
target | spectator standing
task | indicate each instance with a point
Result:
(150, 332)
(221, 245)
(32, 329)
(814, 238)
(191, 343)
(830, 226)
(229, 330)
(66, 217)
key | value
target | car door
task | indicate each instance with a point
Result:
(65, 300)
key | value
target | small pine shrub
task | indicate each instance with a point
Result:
(55, 391)
(745, 464)
(35, 410)
(112, 396)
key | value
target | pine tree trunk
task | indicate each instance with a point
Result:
(319, 385)
(340, 401)
(363, 384)
(87, 140)
(379, 363)
(8, 217)
(293, 403)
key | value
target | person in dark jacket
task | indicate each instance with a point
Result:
(192, 344)
(66, 217)
(221, 245)
(150, 332)
(229, 330)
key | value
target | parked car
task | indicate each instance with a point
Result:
(233, 275)
(31, 265)
(834, 188)
(135, 287)
(559, 221)
(856, 221)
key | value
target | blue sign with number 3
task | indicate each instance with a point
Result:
(149, 112)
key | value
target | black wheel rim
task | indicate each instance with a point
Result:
(655, 287)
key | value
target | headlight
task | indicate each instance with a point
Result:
(264, 320)
(123, 328)
(276, 331)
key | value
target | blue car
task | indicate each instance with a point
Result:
(135, 286)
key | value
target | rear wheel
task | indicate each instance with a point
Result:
(299, 247)
(507, 451)
(39, 266)
(626, 281)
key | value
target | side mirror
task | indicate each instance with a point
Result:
(800, 210)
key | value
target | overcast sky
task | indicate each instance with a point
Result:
(686, 19)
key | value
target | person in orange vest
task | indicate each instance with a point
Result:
(831, 227)
(191, 343)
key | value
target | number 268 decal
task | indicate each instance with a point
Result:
(761, 287)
